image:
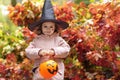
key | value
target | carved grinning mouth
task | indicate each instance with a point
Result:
(53, 70)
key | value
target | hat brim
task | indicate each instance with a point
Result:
(62, 24)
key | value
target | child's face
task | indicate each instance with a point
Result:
(48, 28)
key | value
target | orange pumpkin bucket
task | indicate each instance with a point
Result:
(48, 69)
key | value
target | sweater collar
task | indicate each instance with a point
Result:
(51, 36)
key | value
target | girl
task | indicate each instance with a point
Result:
(48, 44)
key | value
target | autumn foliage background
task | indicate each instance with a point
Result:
(93, 34)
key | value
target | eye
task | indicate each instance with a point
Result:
(51, 26)
(45, 26)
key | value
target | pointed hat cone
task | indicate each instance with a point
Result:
(47, 12)
(48, 15)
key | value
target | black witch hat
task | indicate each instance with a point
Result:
(48, 15)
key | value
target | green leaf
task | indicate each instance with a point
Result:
(1, 33)
(92, 1)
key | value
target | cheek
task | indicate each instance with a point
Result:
(53, 29)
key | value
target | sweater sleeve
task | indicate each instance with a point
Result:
(32, 51)
(63, 48)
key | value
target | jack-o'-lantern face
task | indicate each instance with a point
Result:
(48, 69)
(52, 67)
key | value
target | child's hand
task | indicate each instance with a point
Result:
(43, 52)
(47, 53)
(51, 52)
